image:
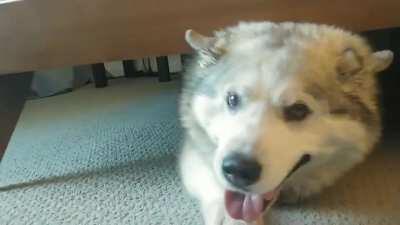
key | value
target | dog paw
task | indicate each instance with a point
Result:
(229, 221)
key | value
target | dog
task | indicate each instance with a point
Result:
(275, 112)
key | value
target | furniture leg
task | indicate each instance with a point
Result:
(163, 69)
(99, 75)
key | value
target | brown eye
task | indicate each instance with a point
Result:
(296, 112)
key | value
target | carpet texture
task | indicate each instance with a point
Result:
(108, 156)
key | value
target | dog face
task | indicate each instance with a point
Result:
(281, 95)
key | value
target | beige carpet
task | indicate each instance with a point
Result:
(107, 156)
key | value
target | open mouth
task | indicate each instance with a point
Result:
(248, 206)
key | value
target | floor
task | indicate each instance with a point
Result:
(108, 156)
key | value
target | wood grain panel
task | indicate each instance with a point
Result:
(42, 34)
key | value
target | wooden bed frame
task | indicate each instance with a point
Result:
(43, 34)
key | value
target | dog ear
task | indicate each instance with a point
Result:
(349, 64)
(208, 48)
(381, 60)
(198, 41)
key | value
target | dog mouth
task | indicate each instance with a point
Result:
(249, 206)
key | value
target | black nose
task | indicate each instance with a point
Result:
(241, 171)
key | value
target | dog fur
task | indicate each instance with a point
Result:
(271, 66)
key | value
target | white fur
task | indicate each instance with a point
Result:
(270, 66)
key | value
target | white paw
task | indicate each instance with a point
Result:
(214, 214)
(229, 221)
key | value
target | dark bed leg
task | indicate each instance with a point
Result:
(14, 88)
(163, 69)
(99, 75)
(130, 69)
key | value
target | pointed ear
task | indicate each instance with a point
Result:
(198, 41)
(209, 49)
(381, 60)
(349, 64)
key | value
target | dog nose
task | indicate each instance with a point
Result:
(241, 171)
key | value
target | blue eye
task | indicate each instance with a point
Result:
(232, 100)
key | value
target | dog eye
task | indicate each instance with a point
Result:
(296, 112)
(232, 100)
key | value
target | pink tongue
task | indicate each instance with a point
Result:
(247, 207)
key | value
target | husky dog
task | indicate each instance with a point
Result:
(275, 111)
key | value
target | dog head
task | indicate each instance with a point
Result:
(280, 99)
